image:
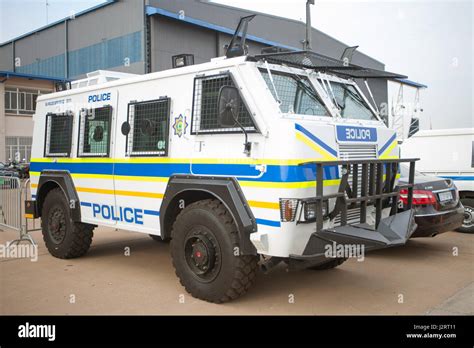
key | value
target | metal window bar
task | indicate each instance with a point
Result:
(95, 132)
(205, 108)
(58, 134)
(295, 93)
(379, 182)
(149, 128)
(319, 62)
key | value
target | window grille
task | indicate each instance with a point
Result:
(296, 94)
(58, 134)
(149, 128)
(94, 132)
(205, 108)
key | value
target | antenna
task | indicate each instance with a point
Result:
(237, 46)
(47, 19)
(307, 42)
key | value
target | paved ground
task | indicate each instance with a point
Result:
(424, 274)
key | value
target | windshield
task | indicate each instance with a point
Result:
(350, 102)
(295, 93)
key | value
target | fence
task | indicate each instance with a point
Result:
(13, 192)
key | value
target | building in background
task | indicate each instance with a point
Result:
(16, 108)
(141, 36)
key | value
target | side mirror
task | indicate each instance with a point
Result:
(229, 103)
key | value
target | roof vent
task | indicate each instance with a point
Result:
(98, 77)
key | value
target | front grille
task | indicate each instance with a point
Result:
(357, 151)
(353, 216)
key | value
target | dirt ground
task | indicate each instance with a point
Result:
(427, 276)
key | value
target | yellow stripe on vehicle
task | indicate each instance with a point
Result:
(266, 205)
(388, 150)
(325, 155)
(137, 160)
(120, 192)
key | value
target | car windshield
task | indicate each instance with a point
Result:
(295, 93)
(350, 102)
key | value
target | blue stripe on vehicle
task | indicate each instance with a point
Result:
(33, 196)
(315, 139)
(86, 204)
(275, 173)
(151, 212)
(268, 222)
(459, 178)
(387, 144)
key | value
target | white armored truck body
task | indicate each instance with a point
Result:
(239, 161)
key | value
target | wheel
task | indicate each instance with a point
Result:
(159, 239)
(468, 223)
(205, 254)
(329, 264)
(64, 238)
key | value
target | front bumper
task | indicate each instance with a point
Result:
(430, 225)
(372, 183)
(392, 231)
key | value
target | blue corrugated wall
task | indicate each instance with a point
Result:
(104, 55)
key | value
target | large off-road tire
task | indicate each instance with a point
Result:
(204, 249)
(64, 238)
(328, 265)
(468, 223)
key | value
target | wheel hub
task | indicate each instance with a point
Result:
(57, 225)
(202, 255)
(468, 212)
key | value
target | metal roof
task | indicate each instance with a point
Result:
(411, 83)
(80, 13)
(9, 74)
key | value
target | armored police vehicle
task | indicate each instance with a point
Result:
(239, 162)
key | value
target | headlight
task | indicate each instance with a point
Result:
(288, 209)
(310, 210)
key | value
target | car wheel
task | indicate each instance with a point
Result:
(468, 223)
(64, 238)
(205, 254)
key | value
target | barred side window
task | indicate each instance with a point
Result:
(94, 132)
(205, 108)
(58, 134)
(149, 128)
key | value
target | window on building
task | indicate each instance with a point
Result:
(18, 148)
(149, 128)
(58, 134)
(21, 101)
(205, 108)
(94, 132)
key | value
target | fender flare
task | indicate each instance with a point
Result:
(225, 189)
(63, 179)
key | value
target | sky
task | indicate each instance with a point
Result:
(431, 41)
